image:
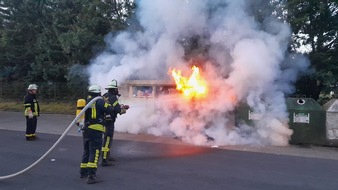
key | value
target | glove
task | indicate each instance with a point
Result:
(80, 128)
(123, 111)
(105, 99)
(30, 115)
(124, 106)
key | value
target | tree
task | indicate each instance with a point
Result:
(315, 25)
(41, 39)
(18, 31)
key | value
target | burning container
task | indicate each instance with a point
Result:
(331, 108)
(307, 120)
(245, 115)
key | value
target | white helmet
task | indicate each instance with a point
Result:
(94, 88)
(112, 84)
(32, 87)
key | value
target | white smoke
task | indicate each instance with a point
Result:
(245, 62)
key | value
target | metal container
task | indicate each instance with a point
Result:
(307, 120)
(245, 115)
(331, 108)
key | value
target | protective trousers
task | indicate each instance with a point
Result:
(31, 124)
(92, 143)
(107, 139)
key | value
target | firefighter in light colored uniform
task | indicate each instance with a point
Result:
(92, 134)
(32, 111)
(111, 97)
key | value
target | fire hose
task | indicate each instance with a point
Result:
(56, 143)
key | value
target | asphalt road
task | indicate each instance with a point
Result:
(157, 165)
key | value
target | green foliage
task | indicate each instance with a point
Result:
(315, 25)
(45, 107)
(48, 40)
(41, 39)
(78, 81)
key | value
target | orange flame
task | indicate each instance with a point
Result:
(195, 86)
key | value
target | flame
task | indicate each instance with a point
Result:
(195, 86)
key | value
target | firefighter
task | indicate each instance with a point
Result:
(32, 111)
(111, 97)
(92, 134)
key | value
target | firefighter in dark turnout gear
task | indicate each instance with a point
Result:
(111, 97)
(92, 134)
(32, 111)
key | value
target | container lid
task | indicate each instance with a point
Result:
(331, 106)
(306, 104)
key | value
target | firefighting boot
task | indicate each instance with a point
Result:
(31, 139)
(105, 162)
(111, 159)
(93, 179)
(83, 174)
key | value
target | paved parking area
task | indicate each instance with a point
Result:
(148, 162)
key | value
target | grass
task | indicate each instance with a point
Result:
(45, 107)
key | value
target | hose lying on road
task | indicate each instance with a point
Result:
(56, 143)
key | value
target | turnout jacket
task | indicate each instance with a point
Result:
(94, 116)
(113, 101)
(31, 104)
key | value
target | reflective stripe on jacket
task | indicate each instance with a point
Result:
(94, 116)
(97, 127)
(31, 105)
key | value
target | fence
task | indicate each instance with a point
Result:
(56, 91)
(59, 91)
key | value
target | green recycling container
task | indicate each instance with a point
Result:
(307, 120)
(245, 115)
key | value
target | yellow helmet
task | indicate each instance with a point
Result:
(112, 84)
(32, 87)
(94, 88)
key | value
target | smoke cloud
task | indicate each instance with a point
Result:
(244, 61)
